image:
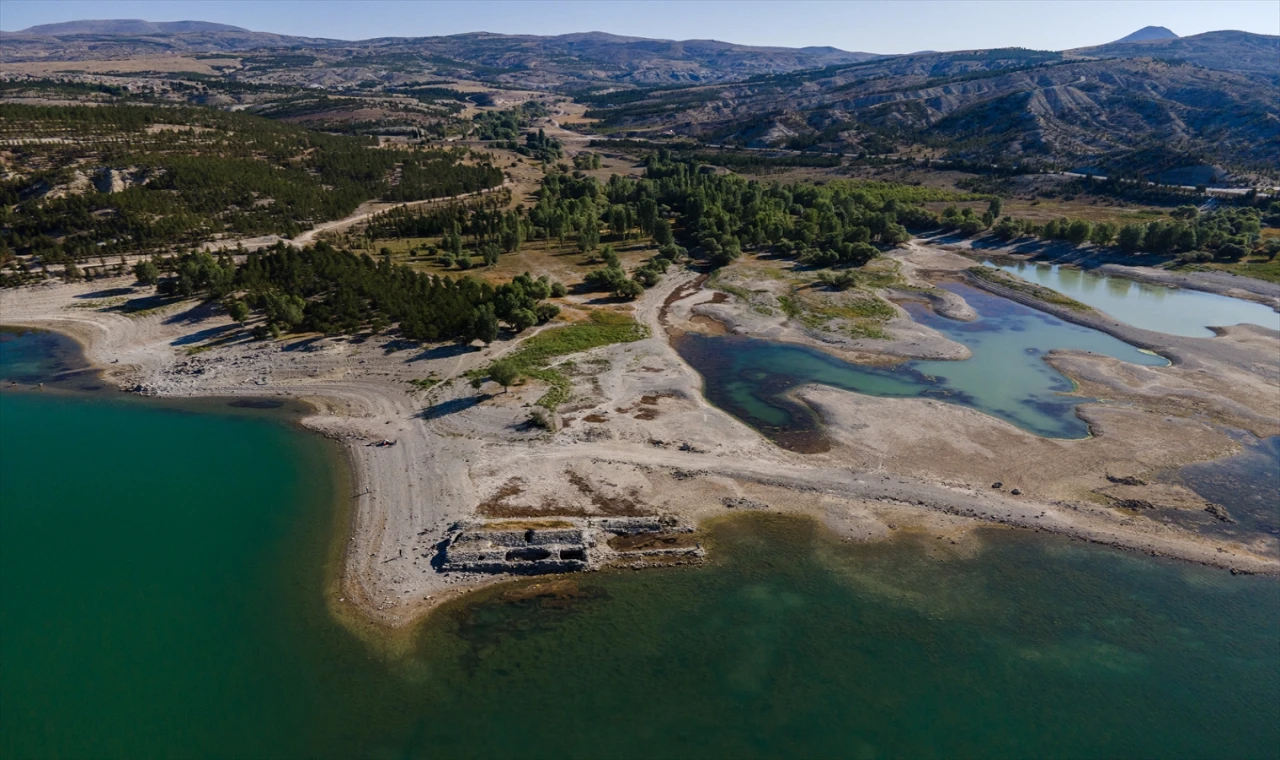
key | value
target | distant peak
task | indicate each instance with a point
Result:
(1149, 33)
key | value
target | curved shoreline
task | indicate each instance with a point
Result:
(1217, 282)
(446, 463)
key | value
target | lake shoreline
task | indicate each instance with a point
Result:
(1113, 262)
(454, 449)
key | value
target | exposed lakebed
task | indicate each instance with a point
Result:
(1174, 311)
(162, 579)
(1006, 377)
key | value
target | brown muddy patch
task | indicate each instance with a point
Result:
(679, 294)
(615, 506)
(499, 504)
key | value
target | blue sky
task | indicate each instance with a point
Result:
(876, 26)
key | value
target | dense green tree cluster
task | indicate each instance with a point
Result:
(1225, 233)
(432, 94)
(823, 225)
(538, 145)
(506, 128)
(438, 174)
(508, 123)
(482, 223)
(966, 220)
(324, 289)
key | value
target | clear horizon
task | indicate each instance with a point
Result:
(871, 25)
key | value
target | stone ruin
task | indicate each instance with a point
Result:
(562, 545)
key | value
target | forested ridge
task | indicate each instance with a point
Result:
(186, 175)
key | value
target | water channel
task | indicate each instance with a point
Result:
(1175, 311)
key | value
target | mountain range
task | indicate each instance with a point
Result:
(1147, 102)
(127, 26)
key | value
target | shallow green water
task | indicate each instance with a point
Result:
(161, 595)
(1006, 376)
(1176, 311)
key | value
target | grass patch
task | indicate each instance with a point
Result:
(104, 304)
(424, 383)
(535, 354)
(862, 316)
(857, 308)
(860, 330)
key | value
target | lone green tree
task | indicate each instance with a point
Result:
(504, 373)
(147, 272)
(238, 310)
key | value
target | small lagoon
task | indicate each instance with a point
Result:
(1174, 311)
(1006, 377)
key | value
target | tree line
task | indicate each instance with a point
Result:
(1228, 233)
(325, 289)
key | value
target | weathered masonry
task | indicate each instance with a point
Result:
(561, 545)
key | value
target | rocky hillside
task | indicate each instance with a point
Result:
(1149, 103)
(95, 40)
(1226, 51)
(1012, 106)
(596, 56)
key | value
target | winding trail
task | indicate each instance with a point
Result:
(369, 209)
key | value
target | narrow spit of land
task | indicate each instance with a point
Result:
(637, 430)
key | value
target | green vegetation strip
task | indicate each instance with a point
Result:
(533, 358)
(996, 277)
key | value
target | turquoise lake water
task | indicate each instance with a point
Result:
(1176, 311)
(1005, 377)
(161, 595)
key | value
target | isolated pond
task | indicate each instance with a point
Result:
(1174, 311)
(1006, 377)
